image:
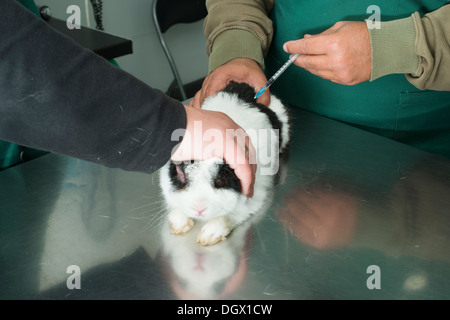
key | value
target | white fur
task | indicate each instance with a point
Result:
(224, 209)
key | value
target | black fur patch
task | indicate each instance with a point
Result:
(227, 179)
(246, 92)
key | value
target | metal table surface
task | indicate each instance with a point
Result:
(357, 216)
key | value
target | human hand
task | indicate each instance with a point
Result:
(320, 218)
(237, 70)
(213, 134)
(341, 54)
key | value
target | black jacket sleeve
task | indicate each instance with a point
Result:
(59, 97)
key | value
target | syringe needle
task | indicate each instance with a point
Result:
(275, 76)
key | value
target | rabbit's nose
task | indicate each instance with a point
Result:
(200, 211)
(199, 206)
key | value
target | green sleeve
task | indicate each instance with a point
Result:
(241, 29)
(392, 46)
(233, 44)
(415, 46)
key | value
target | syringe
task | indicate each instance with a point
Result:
(275, 76)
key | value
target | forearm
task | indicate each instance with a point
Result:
(240, 29)
(59, 97)
(416, 47)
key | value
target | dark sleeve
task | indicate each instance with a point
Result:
(59, 97)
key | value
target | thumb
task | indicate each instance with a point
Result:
(310, 44)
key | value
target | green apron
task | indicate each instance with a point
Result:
(389, 106)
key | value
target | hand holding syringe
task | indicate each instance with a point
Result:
(275, 76)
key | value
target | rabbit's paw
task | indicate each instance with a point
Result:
(213, 232)
(179, 223)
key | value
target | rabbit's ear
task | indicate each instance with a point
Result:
(178, 176)
(181, 174)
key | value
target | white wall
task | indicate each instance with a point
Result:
(132, 19)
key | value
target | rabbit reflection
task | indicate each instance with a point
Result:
(200, 272)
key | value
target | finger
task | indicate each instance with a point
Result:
(316, 44)
(252, 160)
(197, 102)
(250, 156)
(205, 85)
(214, 85)
(245, 162)
(264, 98)
(320, 65)
(309, 62)
(245, 174)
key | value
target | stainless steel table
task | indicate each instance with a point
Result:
(356, 216)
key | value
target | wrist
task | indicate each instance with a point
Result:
(233, 44)
(393, 48)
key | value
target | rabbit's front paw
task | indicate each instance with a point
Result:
(179, 223)
(214, 231)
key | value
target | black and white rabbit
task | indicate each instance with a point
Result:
(209, 191)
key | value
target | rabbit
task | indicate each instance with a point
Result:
(208, 191)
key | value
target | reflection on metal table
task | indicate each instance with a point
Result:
(356, 216)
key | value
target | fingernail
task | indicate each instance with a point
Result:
(285, 48)
(306, 36)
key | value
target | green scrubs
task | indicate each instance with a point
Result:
(389, 106)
